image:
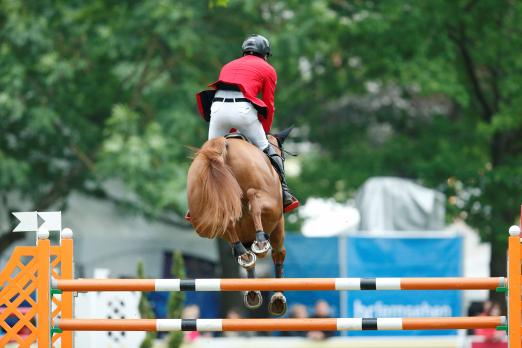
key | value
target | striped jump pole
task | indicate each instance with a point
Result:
(328, 324)
(279, 284)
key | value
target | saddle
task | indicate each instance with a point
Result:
(237, 135)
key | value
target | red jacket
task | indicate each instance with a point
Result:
(252, 75)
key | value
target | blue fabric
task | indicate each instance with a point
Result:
(404, 257)
(208, 302)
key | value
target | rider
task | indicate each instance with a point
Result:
(233, 103)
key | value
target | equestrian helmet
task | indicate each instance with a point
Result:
(258, 45)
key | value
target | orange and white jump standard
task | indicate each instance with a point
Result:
(47, 269)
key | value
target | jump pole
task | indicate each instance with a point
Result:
(328, 324)
(280, 284)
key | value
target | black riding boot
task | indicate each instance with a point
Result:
(277, 162)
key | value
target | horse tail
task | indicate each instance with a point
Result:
(217, 203)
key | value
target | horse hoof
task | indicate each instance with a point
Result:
(277, 305)
(261, 248)
(253, 299)
(247, 260)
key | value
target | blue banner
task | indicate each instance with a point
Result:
(404, 257)
(377, 256)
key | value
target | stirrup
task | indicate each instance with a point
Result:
(291, 206)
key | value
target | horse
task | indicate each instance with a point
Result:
(234, 193)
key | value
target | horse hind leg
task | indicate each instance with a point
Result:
(261, 246)
(245, 258)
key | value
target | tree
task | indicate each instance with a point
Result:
(424, 90)
(95, 91)
(92, 92)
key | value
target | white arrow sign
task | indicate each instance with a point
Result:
(28, 221)
(32, 221)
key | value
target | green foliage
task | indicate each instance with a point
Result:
(94, 92)
(145, 309)
(175, 339)
(144, 306)
(437, 104)
(176, 299)
(148, 342)
(422, 90)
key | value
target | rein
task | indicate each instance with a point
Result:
(283, 151)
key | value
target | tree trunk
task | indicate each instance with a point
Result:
(229, 269)
(498, 263)
(9, 238)
(498, 268)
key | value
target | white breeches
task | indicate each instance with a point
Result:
(239, 115)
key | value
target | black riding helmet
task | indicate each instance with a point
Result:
(258, 45)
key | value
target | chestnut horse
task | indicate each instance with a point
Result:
(234, 193)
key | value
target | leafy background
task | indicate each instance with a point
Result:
(94, 91)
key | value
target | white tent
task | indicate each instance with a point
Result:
(396, 204)
(106, 237)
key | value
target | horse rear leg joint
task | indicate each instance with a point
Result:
(261, 246)
(245, 258)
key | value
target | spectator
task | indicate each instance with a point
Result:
(321, 310)
(487, 307)
(491, 335)
(297, 311)
(476, 308)
(191, 312)
(235, 313)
